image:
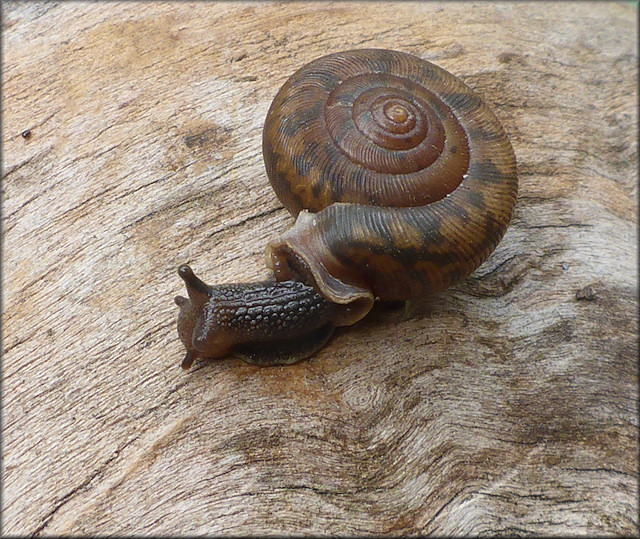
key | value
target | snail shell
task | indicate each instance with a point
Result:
(401, 178)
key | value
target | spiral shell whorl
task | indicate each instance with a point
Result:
(424, 171)
(330, 116)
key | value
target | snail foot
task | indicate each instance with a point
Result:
(188, 360)
(285, 352)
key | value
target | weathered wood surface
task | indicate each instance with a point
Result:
(507, 404)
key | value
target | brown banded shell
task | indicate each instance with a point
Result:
(402, 179)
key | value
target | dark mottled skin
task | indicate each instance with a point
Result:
(393, 216)
(265, 314)
(266, 311)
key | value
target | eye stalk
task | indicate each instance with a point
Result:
(190, 308)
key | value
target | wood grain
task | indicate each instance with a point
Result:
(506, 405)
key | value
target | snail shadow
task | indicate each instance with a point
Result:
(391, 313)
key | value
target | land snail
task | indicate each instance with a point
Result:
(402, 182)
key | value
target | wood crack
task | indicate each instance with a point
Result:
(66, 498)
(244, 221)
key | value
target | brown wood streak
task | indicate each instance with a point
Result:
(507, 404)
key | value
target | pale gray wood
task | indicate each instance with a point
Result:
(507, 404)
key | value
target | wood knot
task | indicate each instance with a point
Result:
(587, 293)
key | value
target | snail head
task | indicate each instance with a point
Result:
(194, 320)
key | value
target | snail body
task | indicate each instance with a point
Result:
(264, 322)
(402, 182)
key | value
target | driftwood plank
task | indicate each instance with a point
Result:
(506, 405)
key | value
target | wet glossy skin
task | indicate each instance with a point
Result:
(215, 320)
(407, 178)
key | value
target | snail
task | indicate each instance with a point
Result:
(402, 182)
